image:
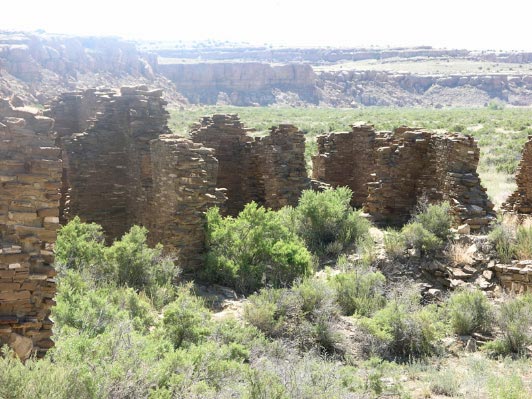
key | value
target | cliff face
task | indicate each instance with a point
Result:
(25, 56)
(342, 88)
(240, 83)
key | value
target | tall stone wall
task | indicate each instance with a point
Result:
(125, 169)
(109, 170)
(30, 179)
(521, 199)
(269, 170)
(184, 187)
(390, 172)
(347, 159)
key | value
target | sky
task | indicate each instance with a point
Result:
(471, 24)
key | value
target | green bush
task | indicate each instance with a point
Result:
(127, 262)
(305, 315)
(470, 311)
(359, 292)
(418, 237)
(503, 237)
(511, 387)
(404, 330)
(436, 218)
(523, 245)
(514, 319)
(186, 320)
(253, 250)
(327, 222)
(80, 246)
(394, 243)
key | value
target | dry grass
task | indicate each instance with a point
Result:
(459, 255)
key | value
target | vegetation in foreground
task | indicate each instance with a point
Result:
(127, 326)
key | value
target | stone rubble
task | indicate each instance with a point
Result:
(30, 179)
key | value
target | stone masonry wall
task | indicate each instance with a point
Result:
(390, 172)
(30, 179)
(517, 277)
(521, 199)
(269, 170)
(347, 159)
(184, 187)
(109, 165)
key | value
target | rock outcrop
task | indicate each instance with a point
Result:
(391, 172)
(269, 170)
(30, 179)
(520, 201)
(245, 83)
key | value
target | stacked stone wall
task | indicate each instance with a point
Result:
(391, 172)
(269, 170)
(520, 201)
(30, 179)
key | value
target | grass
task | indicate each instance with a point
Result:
(501, 133)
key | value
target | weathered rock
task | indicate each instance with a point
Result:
(516, 277)
(520, 201)
(30, 178)
(269, 170)
(391, 172)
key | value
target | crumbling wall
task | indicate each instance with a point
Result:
(30, 178)
(516, 277)
(391, 172)
(347, 159)
(184, 187)
(269, 170)
(109, 165)
(521, 199)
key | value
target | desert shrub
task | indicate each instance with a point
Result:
(360, 291)
(327, 222)
(80, 246)
(503, 237)
(445, 382)
(514, 319)
(507, 387)
(253, 250)
(418, 237)
(394, 243)
(305, 315)
(523, 244)
(435, 218)
(127, 262)
(404, 330)
(469, 312)
(186, 320)
(458, 254)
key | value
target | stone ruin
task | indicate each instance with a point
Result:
(122, 168)
(269, 170)
(391, 172)
(30, 178)
(520, 201)
(516, 277)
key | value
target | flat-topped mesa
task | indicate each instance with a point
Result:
(30, 179)
(520, 201)
(269, 170)
(391, 172)
(108, 174)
